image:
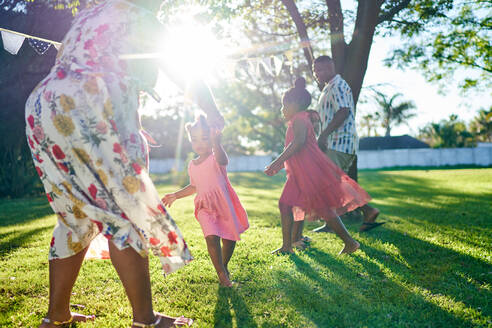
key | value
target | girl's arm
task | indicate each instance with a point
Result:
(169, 199)
(300, 134)
(219, 152)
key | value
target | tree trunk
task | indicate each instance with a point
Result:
(357, 53)
(388, 131)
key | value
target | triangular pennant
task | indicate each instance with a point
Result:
(39, 46)
(12, 42)
(252, 65)
(267, 64)
(258, 70)
(277, 63)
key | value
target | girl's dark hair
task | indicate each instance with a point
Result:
(298, 94)
(200, 122)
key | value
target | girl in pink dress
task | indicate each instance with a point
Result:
(217, 207)
(316, 187)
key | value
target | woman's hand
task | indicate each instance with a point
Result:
(273, 168)
(169, 199)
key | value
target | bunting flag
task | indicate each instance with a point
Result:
(278, 63)
(267, 65)
(272, 63)
(12, 42)
(39, 46)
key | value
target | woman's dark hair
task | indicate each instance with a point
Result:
(298, 94)
(201, 123)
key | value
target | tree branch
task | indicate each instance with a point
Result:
(393, 11)
(301, 29)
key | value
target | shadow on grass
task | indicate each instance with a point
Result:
(227, 299)
(19, 211)
(354, 300)
(438, 269)
(422, 201)
(11, 241)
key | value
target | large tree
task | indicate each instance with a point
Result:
(349, 28)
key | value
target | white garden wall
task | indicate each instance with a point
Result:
(376, 159)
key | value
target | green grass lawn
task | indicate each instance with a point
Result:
(429, 266)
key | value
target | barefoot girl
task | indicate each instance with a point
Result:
(217, 207)
(315, 186)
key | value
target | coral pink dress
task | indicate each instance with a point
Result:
(217, 207)
(315, 186)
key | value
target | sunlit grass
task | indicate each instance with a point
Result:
(429, 266)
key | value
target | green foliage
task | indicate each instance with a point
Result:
(428, 266)
(441, 38)
(450, 133)
(481, 126)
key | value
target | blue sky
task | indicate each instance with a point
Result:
(431, 105)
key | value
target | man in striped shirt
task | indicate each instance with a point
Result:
(338, 138)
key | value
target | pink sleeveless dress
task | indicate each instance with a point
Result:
(217, 207)
(315, 186)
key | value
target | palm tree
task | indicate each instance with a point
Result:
(391, 113)
(482, 125)
(370, 122)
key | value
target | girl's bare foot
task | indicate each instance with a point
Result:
(76, 317)
(283, 251)
(350, 248)
(224, 279)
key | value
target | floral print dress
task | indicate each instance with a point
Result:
(84, 132)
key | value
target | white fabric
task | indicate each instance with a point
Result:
(12, 42)
(278, 62)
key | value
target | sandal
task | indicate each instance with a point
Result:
(181, 321)
(279, 252)
(366, 226)
(300, 245)
(67, 323)
(306, 239)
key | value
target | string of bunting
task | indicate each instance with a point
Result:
(13, 41)
(255, 58)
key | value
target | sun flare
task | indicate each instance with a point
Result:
(192, 49)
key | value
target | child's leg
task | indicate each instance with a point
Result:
(370, 213)
(227, 250)
(215, 252)
(297, 228)
(350, 244)
(287, 218)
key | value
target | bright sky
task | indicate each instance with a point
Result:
(431, 106)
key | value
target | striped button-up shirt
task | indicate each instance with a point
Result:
(335, 95)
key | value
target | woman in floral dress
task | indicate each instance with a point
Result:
(85, 136)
